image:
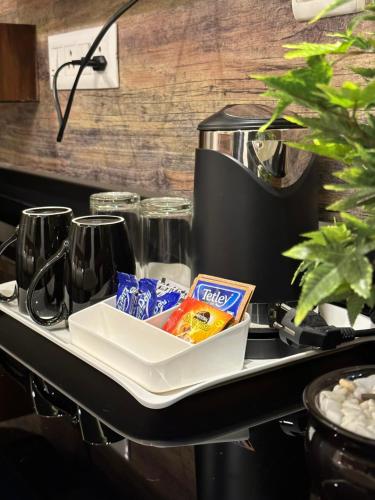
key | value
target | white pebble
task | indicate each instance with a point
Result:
(354, 405)
(347, 384)
(351, 413)
(337, 396)
(334, 416)
(358, 392)
(339, 390)
(344, 405)
(364, 384)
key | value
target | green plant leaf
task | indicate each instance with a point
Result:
(328, 149)
(337, 234)
(328, 9)
(365, 72)
(371, 300)
(356, 223)
(309, 251)
(342, 36)
(315, 236)
(300, 85)
(303, 266)
(318, 284)
(367, 97)
(333, 125)
(298, 252)
(357, 176)
(364, 44)
(306, 49)
(354, 305)
(357, 271)
(363, 198)
(357, 20)
(347, 96)
(369, 246)
(340, 294)
(371, 120)
(297, 120)
(282, 104)
(338, 188)
(304, 251)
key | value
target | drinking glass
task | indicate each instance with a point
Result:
(166, 238)
(123, 204)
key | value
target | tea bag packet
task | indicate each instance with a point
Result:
(195, 321)
(229, 296)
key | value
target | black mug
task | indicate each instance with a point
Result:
(97, 247)
(38, 236)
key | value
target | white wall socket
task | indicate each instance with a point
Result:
(67, 46)
(304, 10)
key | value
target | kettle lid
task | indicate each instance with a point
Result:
(245, 117)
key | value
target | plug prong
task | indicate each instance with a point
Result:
(285, 307)
(282, 327)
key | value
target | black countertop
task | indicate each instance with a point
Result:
(270, 465)
(259, 417)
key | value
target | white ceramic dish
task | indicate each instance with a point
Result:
(153, 358)
(61, 337)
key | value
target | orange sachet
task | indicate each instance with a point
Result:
(195, 321)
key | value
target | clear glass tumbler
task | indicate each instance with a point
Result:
(166, 238)
(126, 205)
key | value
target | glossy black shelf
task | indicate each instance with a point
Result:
(245, 403)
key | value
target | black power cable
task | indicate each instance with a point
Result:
(85, 61)
(56, 99)
(314, 331)
(98, 63)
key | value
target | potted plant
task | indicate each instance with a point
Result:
(336, 260)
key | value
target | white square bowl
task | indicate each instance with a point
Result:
(153, 358)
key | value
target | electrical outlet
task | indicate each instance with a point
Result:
(64, 47)
(304, 10)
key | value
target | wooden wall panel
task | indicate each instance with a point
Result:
(180, 60)
(18, 74)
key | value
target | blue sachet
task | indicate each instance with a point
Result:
(166, 300)
(146, 298)
(127, 291)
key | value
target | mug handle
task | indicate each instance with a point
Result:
(3, 247)
(63, 313)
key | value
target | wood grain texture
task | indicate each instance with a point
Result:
(180, 61)
(18, 69)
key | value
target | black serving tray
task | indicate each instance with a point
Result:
(248, 402)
